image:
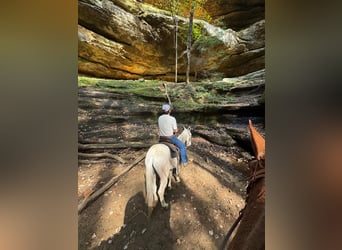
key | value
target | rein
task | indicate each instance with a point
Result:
(258, 173)
(232, 228)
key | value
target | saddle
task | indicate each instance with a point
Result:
(174, 150)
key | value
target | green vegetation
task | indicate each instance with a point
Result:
(181, 8)
(193, 96)
(205, 41)
(196, 31)
(148, 88)
(184, 29)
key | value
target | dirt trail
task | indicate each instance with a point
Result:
(203, 205)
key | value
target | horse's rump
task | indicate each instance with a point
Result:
(158, 162)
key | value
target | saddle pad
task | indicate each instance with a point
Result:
(173, 148)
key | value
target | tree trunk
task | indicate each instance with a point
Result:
(176, 47)
(188, 46)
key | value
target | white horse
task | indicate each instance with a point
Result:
(158, 161)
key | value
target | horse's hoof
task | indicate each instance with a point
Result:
(165, 205)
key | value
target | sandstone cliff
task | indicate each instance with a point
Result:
(130, 40)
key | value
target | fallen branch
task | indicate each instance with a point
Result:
(95, 195)
(118, 158)
(91, 161)
(116, 146)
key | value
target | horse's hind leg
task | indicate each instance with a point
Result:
(169, 179)
(155, 197)
(161, 190)
(177, 177)
(175, 169)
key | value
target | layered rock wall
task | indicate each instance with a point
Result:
(130, 40)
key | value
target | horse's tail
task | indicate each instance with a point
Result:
(150, 184)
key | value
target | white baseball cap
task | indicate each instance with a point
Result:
(166, 107)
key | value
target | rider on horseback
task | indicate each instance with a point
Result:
(168, 128)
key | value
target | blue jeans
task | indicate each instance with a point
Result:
(182, 148)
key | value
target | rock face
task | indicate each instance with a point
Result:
(235, 14)
(129, 40)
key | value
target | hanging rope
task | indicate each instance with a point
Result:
(166, 93)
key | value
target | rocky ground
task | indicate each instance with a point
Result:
(203, 205)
